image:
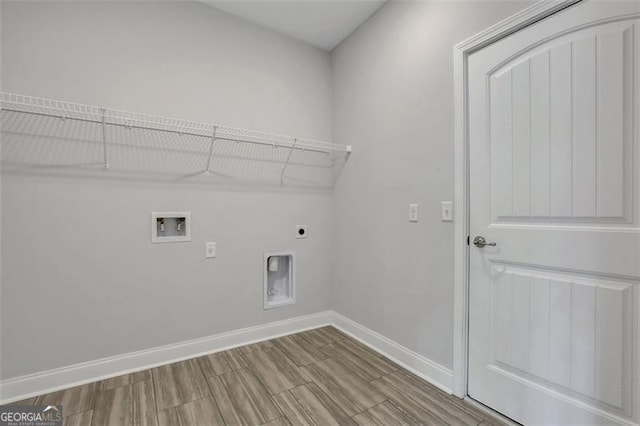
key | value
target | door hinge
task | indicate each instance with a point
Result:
(468, 239)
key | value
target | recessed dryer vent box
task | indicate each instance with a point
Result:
(279, 279)
(170, 227)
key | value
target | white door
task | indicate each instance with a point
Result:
(554, 143)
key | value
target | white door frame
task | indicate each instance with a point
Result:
(461, 52)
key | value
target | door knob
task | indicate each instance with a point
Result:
(480, 241)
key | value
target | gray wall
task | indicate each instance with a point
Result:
(393, 101)
(79, 275)
(80, 278)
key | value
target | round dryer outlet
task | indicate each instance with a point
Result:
(301, 231)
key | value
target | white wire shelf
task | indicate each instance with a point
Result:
(51, 135)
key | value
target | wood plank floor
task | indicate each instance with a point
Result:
(317, 377)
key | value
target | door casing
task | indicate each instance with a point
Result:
(461, 52)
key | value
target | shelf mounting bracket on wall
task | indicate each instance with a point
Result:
(213, 141)
(287, 162)
(104, 139)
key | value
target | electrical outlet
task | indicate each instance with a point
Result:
(413, 212)
(301, 232)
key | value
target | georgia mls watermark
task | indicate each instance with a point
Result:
(32, 415)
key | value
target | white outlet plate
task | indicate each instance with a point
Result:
(447, 211)
(413, 212)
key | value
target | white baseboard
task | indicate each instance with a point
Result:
(24, 387)
(430, 371)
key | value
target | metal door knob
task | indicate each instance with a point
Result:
(480, 241)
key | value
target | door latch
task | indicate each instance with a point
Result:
(480, 241)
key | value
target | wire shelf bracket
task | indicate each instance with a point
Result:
(213, 141)
(286, 163)
(104, 140)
